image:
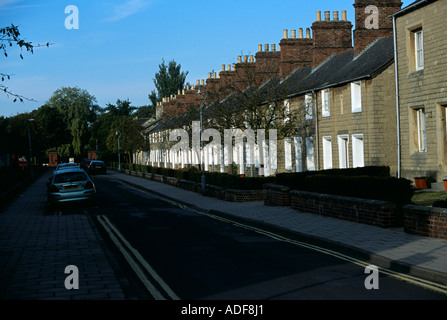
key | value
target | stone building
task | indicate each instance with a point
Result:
(421, 43)
(339, 81)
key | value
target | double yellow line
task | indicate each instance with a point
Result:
(150, 279)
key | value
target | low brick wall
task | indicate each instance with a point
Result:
(425, 221)
(187, 185)
(215, 192)
(234, 195)
(171, 181)
(158, 177)
(371, 212)
(276, 195)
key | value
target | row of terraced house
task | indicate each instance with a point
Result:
(339, 98)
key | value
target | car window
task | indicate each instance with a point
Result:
(70, 177)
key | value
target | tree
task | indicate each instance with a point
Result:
(10, 36)
(131, 138)
(145, 112)
(79, 110)
(168, 80)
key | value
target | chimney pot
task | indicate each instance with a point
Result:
(318, 15)
(209, 75)
(260, 47)
(179, 92)
(344, 15)
(229, 67)
(285, 32)
(301, 33)
(223, 67)
(239, 59)
(198, 82)
(293, 34)
(273, 47)
(308, 33)
(203, 82)
(266, 46)
(335, 15)
(252, 58)
(214, 75)
(327, 16)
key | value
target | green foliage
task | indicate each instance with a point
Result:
(168, 80)
(398, 191)
(10, 36)
(129, 134)
(79, 111)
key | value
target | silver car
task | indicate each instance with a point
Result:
(70, 185)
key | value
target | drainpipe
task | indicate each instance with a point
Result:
(314, 98)
(396, 76)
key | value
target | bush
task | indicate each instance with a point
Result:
(396, 190)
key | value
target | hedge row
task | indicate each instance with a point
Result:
(396, 190)
(374, 182)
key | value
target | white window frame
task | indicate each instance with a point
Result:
(286, 111)
(325, 103)
(356, 96)
(309, 106)
(288, 154)
(358, 150)
(298, 143)
(419, 49)
(343, 151)
(421, 130)
(327, 153)
(310, 154)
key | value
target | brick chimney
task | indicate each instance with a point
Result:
(295, 51)
(372, 21)
(267, 62)
(330, 36)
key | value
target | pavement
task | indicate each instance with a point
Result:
(35, 248)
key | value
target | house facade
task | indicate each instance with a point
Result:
(421, 44)
(340, 81)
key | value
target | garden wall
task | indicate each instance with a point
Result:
(425, 221)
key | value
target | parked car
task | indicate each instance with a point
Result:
(97, 167)
(84, 163)
(70, 165)
(70, 185)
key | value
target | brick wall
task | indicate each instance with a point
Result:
(371, 212)
(276, 195)
(425, 221)
(363, 33)
(330, 37)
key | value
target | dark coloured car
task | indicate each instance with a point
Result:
(97, 167)
(70, 185)
(84, 163)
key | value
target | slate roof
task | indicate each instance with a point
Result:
(342, 68)
(412, 6)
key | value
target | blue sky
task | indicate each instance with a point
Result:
(119, 45)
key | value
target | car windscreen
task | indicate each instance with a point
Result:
(70, 177)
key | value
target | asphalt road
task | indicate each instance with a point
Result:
(187, 255)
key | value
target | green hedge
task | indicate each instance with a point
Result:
(396, 190)
(372, 182)
(297, 180)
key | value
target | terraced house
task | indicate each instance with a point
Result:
(421, 42)
(331, 88)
